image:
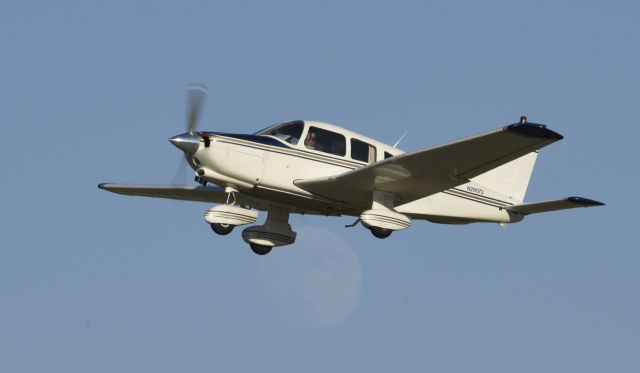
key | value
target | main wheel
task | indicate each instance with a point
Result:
(260, 249)
(380, 232)
(222, 229)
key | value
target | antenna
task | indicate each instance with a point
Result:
(400, 139)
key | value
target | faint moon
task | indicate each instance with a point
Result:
(316, 282)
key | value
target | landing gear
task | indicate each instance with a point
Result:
(275, 232)
(222, 229)
(382, 219)
(223, 218)
(260, 249)
(380, 232)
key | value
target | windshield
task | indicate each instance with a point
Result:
(288, 131)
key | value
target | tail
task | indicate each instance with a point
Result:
(511, 179)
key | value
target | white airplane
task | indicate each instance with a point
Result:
(308, 167)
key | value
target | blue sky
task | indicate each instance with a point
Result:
(91, 281)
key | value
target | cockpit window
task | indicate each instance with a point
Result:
(325, 141)
(288, 131)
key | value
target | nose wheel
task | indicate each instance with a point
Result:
(380, 232)
(222, 229)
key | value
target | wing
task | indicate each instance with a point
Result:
(559, 204)
(421, 173)
(186, 193)
(215, 194)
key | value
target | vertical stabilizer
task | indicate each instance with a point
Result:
(511, 179)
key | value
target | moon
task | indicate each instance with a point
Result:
(316, 282)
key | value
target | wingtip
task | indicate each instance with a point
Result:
(586, 202)
(105, 186)
(534, 130)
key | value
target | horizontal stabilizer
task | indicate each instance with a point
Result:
(555, 205)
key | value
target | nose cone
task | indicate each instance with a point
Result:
(187, 142)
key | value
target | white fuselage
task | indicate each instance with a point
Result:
(262, 165)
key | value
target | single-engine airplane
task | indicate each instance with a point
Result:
(309, 167)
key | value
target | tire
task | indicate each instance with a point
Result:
(222, 229)
(260, 249)
(380, 232)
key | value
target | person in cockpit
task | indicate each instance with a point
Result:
(310, 140)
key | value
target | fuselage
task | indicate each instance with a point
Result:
(267, 164)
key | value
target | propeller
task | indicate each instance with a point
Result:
(181, 176)
(196, 94)
(189, 141)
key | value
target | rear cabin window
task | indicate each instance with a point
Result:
(289, 131)
(325, 141)
(361, 151)
(387, 155)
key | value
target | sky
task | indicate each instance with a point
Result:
(93, 281)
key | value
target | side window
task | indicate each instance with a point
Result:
(387, 155)
(325, 141)
(361, 151)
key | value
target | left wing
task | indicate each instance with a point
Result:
(186, 193)
(216, 194)
(418, 174)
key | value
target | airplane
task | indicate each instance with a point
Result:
(310, 167)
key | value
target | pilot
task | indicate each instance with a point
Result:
(310, 140)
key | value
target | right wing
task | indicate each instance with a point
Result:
(185, 193)
(418, 174)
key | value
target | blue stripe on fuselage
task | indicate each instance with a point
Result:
(253, 138)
